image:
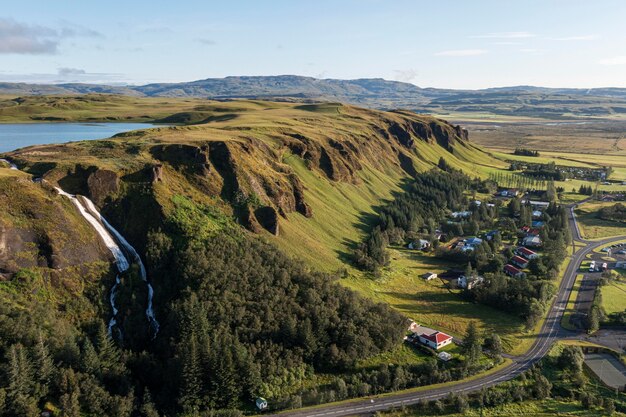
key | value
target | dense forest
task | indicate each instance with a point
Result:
(420, 208)
(238, 320)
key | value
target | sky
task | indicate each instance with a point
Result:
(444, 43)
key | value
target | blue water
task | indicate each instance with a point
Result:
(14, 136)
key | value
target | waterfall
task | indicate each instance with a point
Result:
(11, 164)
(136, 258)
(113, 239)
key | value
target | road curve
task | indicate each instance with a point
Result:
(549, 333)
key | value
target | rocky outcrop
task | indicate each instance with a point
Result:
(157, 173)
(193, 159)
(102, 184)
(268, 218)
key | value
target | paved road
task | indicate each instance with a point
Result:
(550, 332)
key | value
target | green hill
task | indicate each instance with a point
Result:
(213, 208)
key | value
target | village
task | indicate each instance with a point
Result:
(514, 238)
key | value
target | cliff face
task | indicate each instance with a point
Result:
(241, 160)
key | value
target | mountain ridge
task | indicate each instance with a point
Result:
(377, 93)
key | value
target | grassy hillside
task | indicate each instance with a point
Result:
(305, 177)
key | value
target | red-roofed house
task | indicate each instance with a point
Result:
(432, 338)
(436, 340)
(513, 271)
(526, 253)
(519, 261)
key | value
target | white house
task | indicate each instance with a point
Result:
(419, 244)
(469, 283)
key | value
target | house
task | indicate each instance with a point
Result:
(526, 253)
(444, 356)
(432, 338)
(261, 403)
(532, 241)
(469, 283)
(513, 271)
(429, 275)
(420, 244)
(519, 261)
(473, 241)
(439, 235)
(537, 214)
(537, 223)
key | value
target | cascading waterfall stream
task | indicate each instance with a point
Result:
(109, 235)
(11, 164)
(88, 210)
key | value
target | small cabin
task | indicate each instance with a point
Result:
(261, 403)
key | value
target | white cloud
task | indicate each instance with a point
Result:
(506, 35)
(616, 60)
(507, 43)
(21, 38)
(576, 38)
(462, 52)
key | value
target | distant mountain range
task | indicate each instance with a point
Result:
(367, 92)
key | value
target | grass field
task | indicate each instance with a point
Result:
(431, 303)
(614, 296)
(592, 227)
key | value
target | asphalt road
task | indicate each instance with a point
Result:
(550, 332)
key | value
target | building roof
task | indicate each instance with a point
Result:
(437, 337)
(511, 269)
(519, 260)
(525, 251)
(473, 241)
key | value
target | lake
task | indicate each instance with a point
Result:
(19, 135)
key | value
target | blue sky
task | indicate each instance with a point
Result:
(446, 44)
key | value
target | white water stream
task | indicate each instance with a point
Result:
(11, 164)
(112, 240)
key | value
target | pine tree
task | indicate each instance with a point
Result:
(471, 345)
(191, 377)
(147, 407)
(44, 365)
